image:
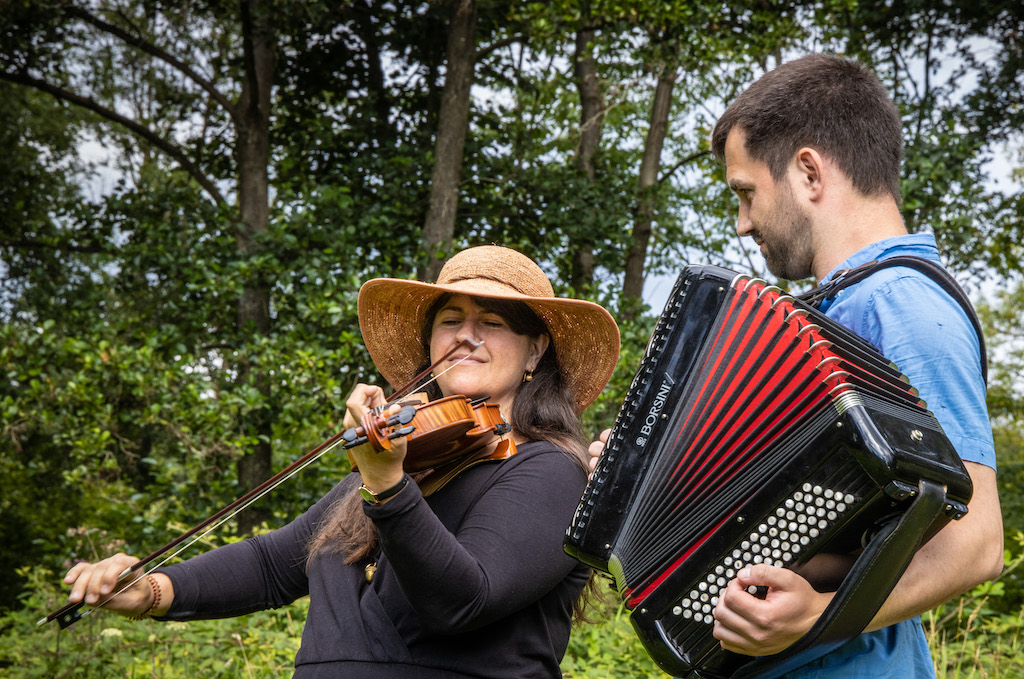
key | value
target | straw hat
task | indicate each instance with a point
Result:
(392, 314)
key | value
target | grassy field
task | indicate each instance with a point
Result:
(972, 637)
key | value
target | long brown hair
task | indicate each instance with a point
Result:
(543, 410)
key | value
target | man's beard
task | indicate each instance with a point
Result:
(787, 243)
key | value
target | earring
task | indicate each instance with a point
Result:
(527, 376)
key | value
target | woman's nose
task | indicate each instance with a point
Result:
(467, 330)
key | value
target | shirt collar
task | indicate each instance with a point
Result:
(917, 244)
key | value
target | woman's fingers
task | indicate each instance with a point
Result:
(93, 582)
(362, 399)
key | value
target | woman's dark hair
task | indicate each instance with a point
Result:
(833, 105)
(543, 410)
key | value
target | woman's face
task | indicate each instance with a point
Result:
(496, 369)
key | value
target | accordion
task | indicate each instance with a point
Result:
(757, 430)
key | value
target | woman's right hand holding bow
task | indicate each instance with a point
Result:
(94, 583)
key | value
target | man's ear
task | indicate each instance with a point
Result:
(810, 169)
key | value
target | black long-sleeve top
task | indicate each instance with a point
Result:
(470, 582)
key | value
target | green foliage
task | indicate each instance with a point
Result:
(122, 411)
(955, 69)
(976, 635)
(973, 636)
(105, 645)
(1010, 478)
(608, 648)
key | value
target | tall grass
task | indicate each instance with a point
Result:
(977, 636)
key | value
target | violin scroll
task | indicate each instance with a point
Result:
(379, 431)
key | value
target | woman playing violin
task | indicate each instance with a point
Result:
(414, 574)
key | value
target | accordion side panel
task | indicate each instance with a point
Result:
(636, 434)
(822, 500)
(803, 508)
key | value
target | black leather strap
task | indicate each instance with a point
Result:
(929, 268)
(372, 498)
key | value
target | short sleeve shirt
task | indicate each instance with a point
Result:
(914, 323)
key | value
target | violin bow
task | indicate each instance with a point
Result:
(71, 612)
(414, 382)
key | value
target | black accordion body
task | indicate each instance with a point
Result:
(757, 430)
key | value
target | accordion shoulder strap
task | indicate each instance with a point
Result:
(929, 268)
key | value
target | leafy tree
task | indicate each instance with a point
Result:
(273, 155)
(955, 68)
(134, 67)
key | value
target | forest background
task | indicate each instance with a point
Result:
(192, 192)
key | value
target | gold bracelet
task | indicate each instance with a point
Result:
(154, 587)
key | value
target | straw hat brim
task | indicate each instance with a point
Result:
(393, 313)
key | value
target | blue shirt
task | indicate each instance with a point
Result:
(914, 323)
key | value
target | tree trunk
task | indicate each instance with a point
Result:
(633, 283)
(375, 80)
(452, 123)
(591, 113)
(252, 126)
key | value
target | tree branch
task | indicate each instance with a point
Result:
(495, 46)
(40, 245)
(158, 53)
(688, 159)
(167, 147)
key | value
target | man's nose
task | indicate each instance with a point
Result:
(743, 224)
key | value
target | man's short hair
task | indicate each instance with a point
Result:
(833, 105)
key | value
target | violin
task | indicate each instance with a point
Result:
(438, 432)
(444, 437)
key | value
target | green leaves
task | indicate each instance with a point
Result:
(129, 390)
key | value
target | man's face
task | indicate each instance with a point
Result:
(769, 212)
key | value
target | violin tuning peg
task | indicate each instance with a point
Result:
(406, 414)
(404, 431)
(357, 441)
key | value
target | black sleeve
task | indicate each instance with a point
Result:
(267, 571)
(506, 554)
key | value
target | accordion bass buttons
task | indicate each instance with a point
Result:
(780, 536)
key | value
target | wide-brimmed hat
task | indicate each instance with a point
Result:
(393, 311)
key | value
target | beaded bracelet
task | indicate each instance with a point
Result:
(154, 587)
